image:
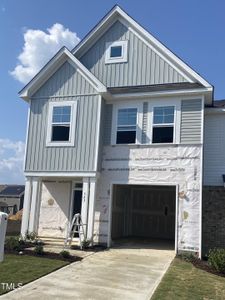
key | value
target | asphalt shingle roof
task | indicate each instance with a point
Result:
(219, 103)
(12, 190)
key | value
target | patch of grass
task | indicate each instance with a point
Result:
(184, 281)
(18, 269)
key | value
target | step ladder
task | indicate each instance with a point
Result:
(76, 226)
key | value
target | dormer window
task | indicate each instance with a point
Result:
(116, 52)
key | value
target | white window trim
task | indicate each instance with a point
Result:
(71, 142)
(176, 124)
(176, 102)
(127, 104)
(113, 60)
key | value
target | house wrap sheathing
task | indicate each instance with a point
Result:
(154, 166)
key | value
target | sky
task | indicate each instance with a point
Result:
(32, 31)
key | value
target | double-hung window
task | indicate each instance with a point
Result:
(163, 124)
(61, 127)
(126, 126)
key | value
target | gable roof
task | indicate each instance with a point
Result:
(12, 191)
(45, 73)
(116, 13)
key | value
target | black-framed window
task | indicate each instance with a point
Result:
(163, 124)
(115, 51)
(126, 126)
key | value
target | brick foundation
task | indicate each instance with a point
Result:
(213, 218)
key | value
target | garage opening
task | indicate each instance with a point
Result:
(144, 213)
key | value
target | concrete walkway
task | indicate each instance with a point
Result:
(126, 272)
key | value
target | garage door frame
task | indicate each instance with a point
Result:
(109, 241)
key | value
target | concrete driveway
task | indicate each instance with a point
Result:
(128, 271)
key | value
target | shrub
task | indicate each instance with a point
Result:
(39, 250)
(187, 256)
(217, 259)
(85, 244)
(13, 244)
(22, 241)
(39, 242)
(31, 236)
(64, 254)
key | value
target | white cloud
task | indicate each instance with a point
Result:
(11, 161)
(39, 47)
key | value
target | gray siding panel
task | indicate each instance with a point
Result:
(191, 121)
(60, 87)
(108, 110)
(214, 145)
(101, 136)
(144, 66)
(78, 158)
(65, 81)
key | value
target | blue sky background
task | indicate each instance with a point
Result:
(194, 30)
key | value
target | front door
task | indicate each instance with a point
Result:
(77, 200)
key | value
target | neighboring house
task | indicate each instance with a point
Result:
(2, 186)
(11, 198)
(115, 131)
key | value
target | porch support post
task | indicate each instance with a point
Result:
(26, 206)
(91, 209)
(34, 202)
(84, 207)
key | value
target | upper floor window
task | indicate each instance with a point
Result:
(163, 124)
(116, 52)
(126, 126)
(61, 130)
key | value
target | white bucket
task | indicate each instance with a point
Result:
(3, 225)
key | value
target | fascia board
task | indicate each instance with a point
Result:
(87, 74)
(163, 48)
(97, 30)
(24, 93)
(117, 12)
(159, 93)
(63, 55)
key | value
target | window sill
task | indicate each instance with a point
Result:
(146, 145)
(57, 144)
(116, 61)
